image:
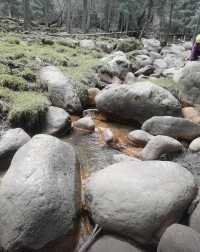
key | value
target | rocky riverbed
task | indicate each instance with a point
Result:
(99, 147)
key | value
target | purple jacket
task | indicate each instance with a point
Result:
(195, 53)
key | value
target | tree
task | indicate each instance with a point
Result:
(85, 15)
(68, 15)
(27, 14)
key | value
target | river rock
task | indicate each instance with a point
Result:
(137, 102)
(151, 44)
(129, 198)
(188, 81)
(38, 198)
(10, 142)
(115, 64)
(122, 157)
(105, 46)
(87, 44)
(191, 114)
(159, 145)
(113, 244)
(130, 78)
(179, 238)
(92, 93)
(143, 61)
(85, 123)
(174, 61)
(139, 137)
(146, 71)
(194, 221)
(172, 126)
(160, 65)
(61, 89)
(195, 145)
(108, 136)
(58, 121)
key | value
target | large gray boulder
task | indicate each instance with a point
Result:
(179, 238)
(137, 102)
(87, 44)
(109, 243)
(61, 89)
(115, 64)
(57, 121)
(38, 198)
(194, 220)
(133, 198)
(159, 145)
(172, 126)
(151, 44)
(139, 137)
(10, 142)
(188, 81)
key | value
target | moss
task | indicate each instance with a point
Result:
(13, 82)
(4, 69)
(29, 75)
(13, 40)
(26, 109)
(127, 45)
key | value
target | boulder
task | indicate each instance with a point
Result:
(146, 71)
(87, 44)
(133, 198)
(58, 122)
(160, 65)
(151, 44)
(137, 102)
(194, 220)
(159, 145)
(195, 145)
(172, 126)
(108, 136)
(106, 47)
(188, 81)
(169, 72)
(113, 244)
(174, 49)
(115, 64)
(191, 114)
(130, 78)
(122, 157)
(187, 45)
(128, 44)
(179, 238)
(61, 89)
(142, 61)
(85, 123)
(38, 195)
(10, 142)
(139, 137)
(174, 61)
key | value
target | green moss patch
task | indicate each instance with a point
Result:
(13, 82)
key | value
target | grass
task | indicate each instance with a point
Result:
(13, 82)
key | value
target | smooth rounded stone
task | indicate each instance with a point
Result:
(130, 78)
(92, 93)
(172, 126)
(179, 238)
(108, 136)
(191, 114)
(133, 198)
(122, 157)
(115, 64)
(188, 81)
(194, 220)
(154, 55)
(38, 195)
(61, 89)
(109, 243)
(85, 123)
(143, 60)
(10, 142)
(106, 47)
(146, 71)
(58, 122)
(187, 45)
(151, 44)
(159, 145)
(139, 137)
(195, 145)
(87, 44)
(138, 102)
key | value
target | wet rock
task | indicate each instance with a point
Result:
(139, 137)
(61, 89)
(92, 93)
(188, 81)
(10, 142)
(191, 114)
(113, 244)
(146, 71)
(122, 157)
(151, 45)
(159, 145)
(195, 145)
(125, 197)
(108, 136)
(87, 44)
(115, 64)
(85, 123)
(137, 102)
(172, 126)
(179, 238)
(42, 183)
(58, 122)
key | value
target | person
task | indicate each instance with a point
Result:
(195, 53)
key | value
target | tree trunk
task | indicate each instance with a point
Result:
(68, 15)
(170, 19)
(85, 15)
(46, 11)
(107, 14)
(26, 14)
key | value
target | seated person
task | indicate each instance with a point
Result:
(195, 53)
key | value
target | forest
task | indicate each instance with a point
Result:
(155, 16)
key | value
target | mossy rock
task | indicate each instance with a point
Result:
(27, 110)
(29, 75)
(68, 42)
(128, 45)
(81, 91)
(46, 41)
(13, 82)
